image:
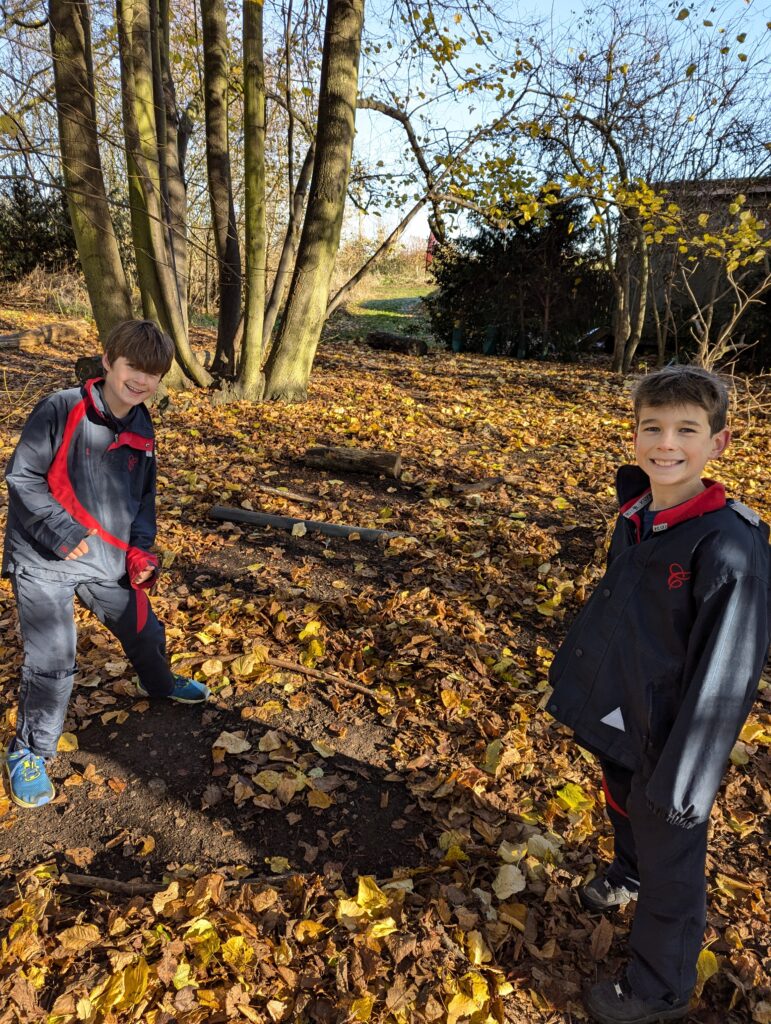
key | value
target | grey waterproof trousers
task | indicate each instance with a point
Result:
(45, 608)
(668, 862)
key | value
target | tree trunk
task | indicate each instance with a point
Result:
(250, 383)
(638, 324)
(288, 250)
(174, 190)
(92, 226)
(215, 78)
(621, 319)
(162, 296)
(289, 366)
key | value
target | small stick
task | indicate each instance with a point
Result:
(289, 495)
(111, 884)
(328, 677)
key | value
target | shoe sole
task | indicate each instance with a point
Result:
(177, 700)
(597, 908)
(25, 803)
(678, 1013)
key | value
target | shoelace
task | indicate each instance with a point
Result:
(28, 767)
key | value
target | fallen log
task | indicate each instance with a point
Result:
(49, 334)
(387, 342)
(227, 514)
(354, 460)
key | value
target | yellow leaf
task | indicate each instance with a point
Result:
(477, 949)
(237, 953)
(492, 758)
(203, 937)
(512, 853)
(308, 931)
(299, 530)
(707, 966)
(317, 798)
(268, 709)
(243, 665)
(379, 929)
(313, 628)
(135, 978)
(267, 780)
(370, 896)
(162, 899)
(279, 865)
(361, 1008)
(740, 755)
(323, 748)
(184, 976)
(573, 798)
(68, 742)
(450, 699)
(212, 667)
(147, 845)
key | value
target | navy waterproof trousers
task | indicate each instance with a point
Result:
(45, 608)
(666, 864)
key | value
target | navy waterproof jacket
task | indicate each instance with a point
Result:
(660, 668)
(76, 468)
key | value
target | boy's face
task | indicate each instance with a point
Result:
(673, 444)
(125, 386)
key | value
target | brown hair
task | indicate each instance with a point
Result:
(143, 344)
(684, 385)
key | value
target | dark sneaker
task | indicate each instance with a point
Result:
(613, 1002)
(30, 786)
(186, 691)
(600, 895)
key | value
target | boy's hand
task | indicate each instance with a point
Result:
(81, 549)
(142, 577)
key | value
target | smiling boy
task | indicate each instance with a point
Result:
(657, 676)
(81, 521)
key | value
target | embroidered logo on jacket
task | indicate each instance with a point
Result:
(677, 576)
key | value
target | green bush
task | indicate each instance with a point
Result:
(532, 290)
(35, 229)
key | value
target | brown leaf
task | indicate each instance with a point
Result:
(602, 938)
(80, 856)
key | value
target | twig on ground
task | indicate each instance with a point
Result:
(328, 677)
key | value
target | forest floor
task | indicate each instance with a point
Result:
(302, 850)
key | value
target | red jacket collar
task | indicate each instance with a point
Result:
(710, 499)
(93, 399)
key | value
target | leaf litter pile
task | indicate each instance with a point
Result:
(374, 819)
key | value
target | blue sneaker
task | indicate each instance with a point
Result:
(186, 691)
(30, 786)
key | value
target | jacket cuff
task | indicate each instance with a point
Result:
(672, 817)
(70, 541)
(137, 561)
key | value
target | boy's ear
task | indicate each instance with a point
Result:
(105, 362)
(720, 442)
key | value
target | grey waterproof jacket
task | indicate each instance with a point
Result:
(660, 668)
(77, 469)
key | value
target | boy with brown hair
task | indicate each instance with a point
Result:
(657, 676)
(81, 520)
